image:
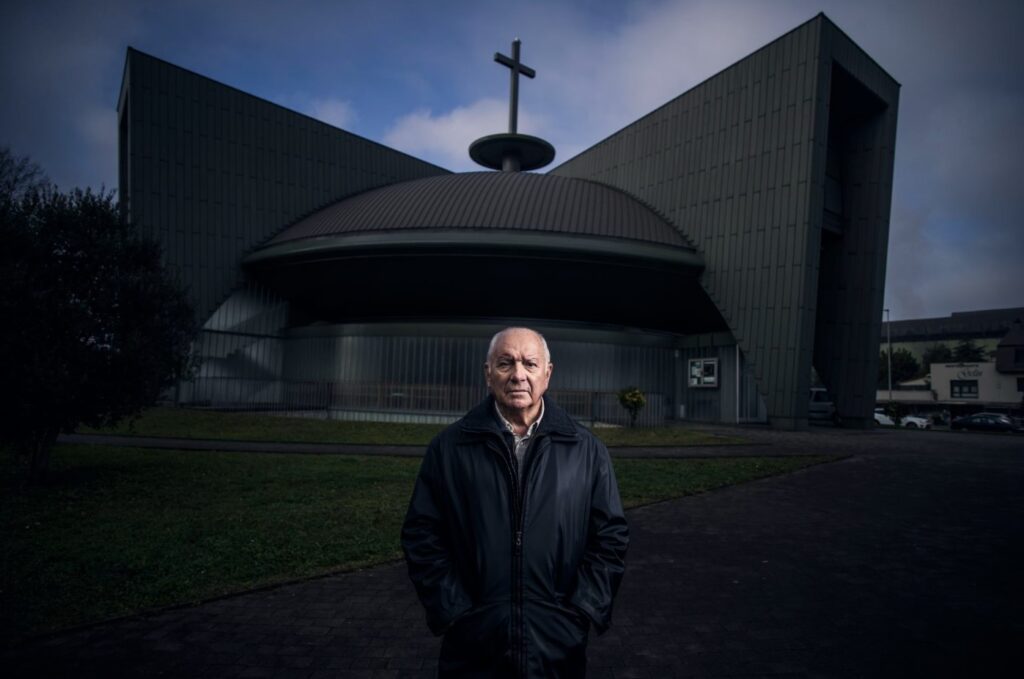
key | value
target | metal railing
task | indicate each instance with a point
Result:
(392, 400)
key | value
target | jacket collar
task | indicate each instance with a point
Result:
(482, 419)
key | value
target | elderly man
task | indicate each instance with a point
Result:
(515, 536)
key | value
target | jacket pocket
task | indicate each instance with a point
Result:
(477, 637)
(557, 628)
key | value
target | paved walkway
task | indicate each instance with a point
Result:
(754, 448)
(902, 560)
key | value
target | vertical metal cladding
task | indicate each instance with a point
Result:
(851, 278)
(432, 370)
(213, 172)
(738, 168)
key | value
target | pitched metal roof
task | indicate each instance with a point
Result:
(507, 201)
(958, 325)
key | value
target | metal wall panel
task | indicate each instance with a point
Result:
(851, 280)
(741, 174)
(410, 371)
(432, 370)
(213, 172)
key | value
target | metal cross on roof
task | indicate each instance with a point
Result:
(516, 68)
(512, 152)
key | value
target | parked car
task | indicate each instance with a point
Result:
(821, 406)
(882, 419)
(915, 422)
(987, 422)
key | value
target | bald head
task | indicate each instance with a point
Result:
(500, 335)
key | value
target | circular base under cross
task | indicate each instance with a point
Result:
(511, 152)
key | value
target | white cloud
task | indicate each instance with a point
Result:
(928, 276)
(61, 63)
(333, 111)
(672, 47)
(97, 128)
(445, 138)
(955, 242)
(976, 151)
(590, 83)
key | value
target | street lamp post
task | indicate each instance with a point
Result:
(888, 353)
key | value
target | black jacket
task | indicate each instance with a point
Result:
(514, 578)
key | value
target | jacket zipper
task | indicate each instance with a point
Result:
(528, 457)
(518, 519)
(518, 650)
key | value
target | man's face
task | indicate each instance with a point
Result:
(518, 372)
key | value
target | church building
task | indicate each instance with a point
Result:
(723, 253)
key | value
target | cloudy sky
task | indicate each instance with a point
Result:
(419, 76)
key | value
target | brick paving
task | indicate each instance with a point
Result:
(902, 560)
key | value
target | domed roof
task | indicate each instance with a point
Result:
(488, 244)
(504, 201)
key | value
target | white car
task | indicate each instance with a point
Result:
(821, 406)
(883, 419)
(915, 422)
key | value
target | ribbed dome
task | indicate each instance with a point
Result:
(506, 201)
(488, 245)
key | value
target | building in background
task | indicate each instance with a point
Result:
(710, 253)
(984, 328)
(995, 382)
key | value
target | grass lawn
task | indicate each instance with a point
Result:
(117, 530)
(242, 426)
(676, 436)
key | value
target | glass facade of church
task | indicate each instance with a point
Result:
(433, 372)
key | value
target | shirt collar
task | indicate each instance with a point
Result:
(529, 430)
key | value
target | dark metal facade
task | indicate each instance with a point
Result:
(779, 171)
(425, 371)
(212, 172)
